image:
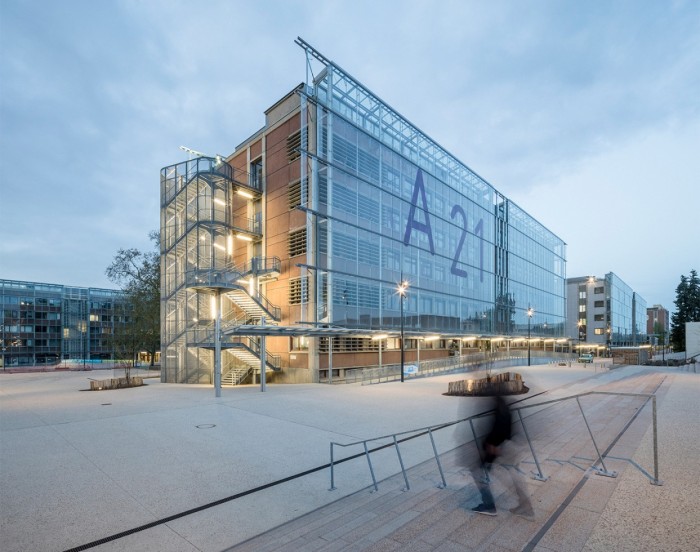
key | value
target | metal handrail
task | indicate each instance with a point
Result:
(261, 264)
(539, 475)
(391, 372)
(224, 276)
(204, 335)
(274, 310)
(250, 225)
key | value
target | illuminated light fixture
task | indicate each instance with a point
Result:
(244, 237)
(562, 340)
(469, 338)
(212, 306)
(203, 238)
(242, 281)
(219, 246)
(379, 337)
(229, 244)
(431, 338)
(244, 194)
(219, 201)
(195, 320)
(402, 290)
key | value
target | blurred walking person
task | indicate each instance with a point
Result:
(498, 445)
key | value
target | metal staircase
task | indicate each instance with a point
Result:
(254, 306)
(236, 375)
(244, 353)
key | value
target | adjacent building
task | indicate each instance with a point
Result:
(658, 324)
(605, 312)
(49, 323)
(290, 252)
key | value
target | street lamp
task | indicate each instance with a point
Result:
(402, 289)
(530, 312)
(580, 325)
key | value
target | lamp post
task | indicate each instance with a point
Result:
(580, 325)
(401, 290)
(530, 312)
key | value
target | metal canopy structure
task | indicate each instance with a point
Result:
(311, 331)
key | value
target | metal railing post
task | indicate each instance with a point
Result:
(332, 471)
(656, 480)
(604, 471)
(371, 470)
(539, 476)
(403, 470)
(437, 458)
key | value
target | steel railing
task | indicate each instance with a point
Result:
(414, 433)
(467, 363)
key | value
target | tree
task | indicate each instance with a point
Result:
(687, 308)
(138, 275)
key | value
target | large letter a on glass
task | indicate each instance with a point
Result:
(412, 223)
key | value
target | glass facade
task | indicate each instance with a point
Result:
(393, 206)
(48, 323)
(626, 312)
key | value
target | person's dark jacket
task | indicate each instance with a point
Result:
(500, 430)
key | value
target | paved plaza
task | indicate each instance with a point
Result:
(169, 467)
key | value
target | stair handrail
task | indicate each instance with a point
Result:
(250, 343)
(265, 303)
(260, 264)
(413, 433)
(225, 275)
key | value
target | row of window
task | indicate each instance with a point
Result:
(30, 301)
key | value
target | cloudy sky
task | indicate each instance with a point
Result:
(586, 114)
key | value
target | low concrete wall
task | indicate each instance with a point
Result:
(116, 383)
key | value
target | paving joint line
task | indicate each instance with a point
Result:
(560, 510)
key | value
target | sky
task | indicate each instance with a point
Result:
(585, 114)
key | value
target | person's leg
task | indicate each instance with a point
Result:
(480, 475)
(511, 451)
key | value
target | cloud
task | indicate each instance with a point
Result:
(540, 101)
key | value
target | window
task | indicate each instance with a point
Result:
(300, 343)
(582, 308)
(256, 168)
(599, 290)
(294, 146)
(298, 290)
(599, 331)
(599, 318)
(297, 242)
(581, 294)
(599, 304)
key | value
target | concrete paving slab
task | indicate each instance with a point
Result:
(77, 466)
